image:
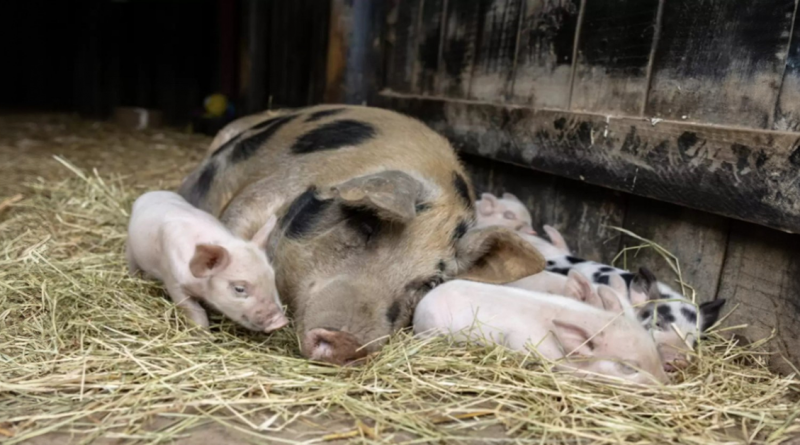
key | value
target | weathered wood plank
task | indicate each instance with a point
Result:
(544, 57)
(762, 275)
(742, 174)
(403, 39)
(698, 239)
(720, 62)
(616, 39)
(462, 30)
(583, 214)
(494, 65)
(426, 63)
(787, 112)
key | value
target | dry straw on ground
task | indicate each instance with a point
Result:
(85, 348)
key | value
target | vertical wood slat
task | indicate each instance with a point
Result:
(462, 30)
(493, 70)
(428, 47)
(787, 108)
(720, 62)
(544, 56)
(613, 53)
(400, 72)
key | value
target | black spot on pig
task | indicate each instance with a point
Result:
(334, 135)
(560, 270)
(245, 148)
(575, 260)
(665, 314)
(324, 113)
(645, 314)
(689, 314)
(462, 189)
(710, 312)
(200, 189)
(606, 269)
(596, 276)
(686, 141)
(628, 277)
(604, 279)
(393, 312)
(303, 214)
(550, 263)
(460, 231)
(422, 207)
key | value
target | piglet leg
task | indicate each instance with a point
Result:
(188, 305)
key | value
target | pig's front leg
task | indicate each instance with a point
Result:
(188, 305)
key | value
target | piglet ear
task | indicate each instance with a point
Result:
(579, 288)
(710, 311)
(556, 239)
(574, 339)
(644, 287)
(261, 237)
(486, 204)
(610, 298)
(208, 259)
(511, 197)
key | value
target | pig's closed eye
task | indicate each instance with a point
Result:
(509, 215)
(240, 290)
(627, 369)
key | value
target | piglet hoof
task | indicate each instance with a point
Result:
(332, 346)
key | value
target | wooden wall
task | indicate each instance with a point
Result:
(683, 112)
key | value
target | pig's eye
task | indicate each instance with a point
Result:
(239, 289)
(509, 215)
(627, 369)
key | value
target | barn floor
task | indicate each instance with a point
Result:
(88, 354)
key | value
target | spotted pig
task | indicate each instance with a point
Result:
(374, 209)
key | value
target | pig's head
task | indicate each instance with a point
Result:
(675, 322)
(239, 282)
(355, 258)
(507, 211)
(621, 349)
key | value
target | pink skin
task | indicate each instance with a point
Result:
(583, 339)
(198, 259)
(507, 211)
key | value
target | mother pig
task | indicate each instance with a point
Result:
(375, 210)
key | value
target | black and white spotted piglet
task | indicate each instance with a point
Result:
(675, 321)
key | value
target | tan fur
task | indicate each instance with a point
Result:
(325, 283)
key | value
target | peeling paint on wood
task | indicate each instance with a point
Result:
(741, 174)
(721, 62)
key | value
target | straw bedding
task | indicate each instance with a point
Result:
(89, 351)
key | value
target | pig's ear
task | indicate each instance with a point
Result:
(511, 197)
(580, 288)
(611, 300)
(261, 237)
(556, 239)
(710, 311)
(392, 194)
(208, 259)
(644, 287)
(486, 204)
(496, 255)
(574, 339)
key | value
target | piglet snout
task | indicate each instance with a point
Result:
(332, 346)
(672, 360)
(278, 321)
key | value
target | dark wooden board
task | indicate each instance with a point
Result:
(742, 174)
(429, 47)
(462, 29)
(762, 275)
(697, 239)
(720, 61)
(614, 47)
(787, 112)
(493, 70)
(544, 57)
(403, 31)
(583, 214)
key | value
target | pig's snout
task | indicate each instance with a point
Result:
(332, 346)
(672, 359)
(276, 322)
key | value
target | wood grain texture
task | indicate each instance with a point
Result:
(544, 57)
(787, 111)
(747, 175)
(463, 26)
(613, 54)
(698, 239)
(762, 275)
(402, 38)
(583, 214)
(493, 70)
(721, 61)
(426, 64)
